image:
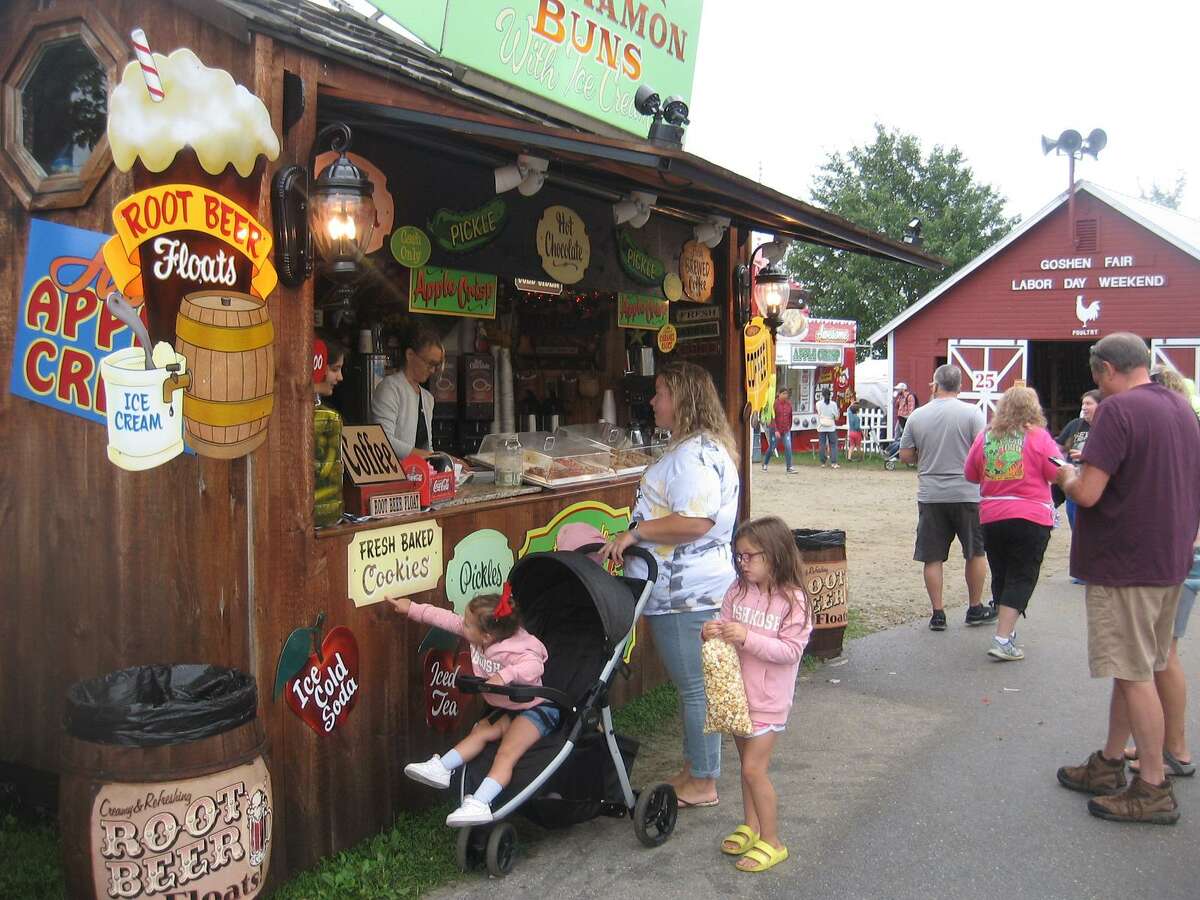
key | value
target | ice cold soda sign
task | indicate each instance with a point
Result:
(206, 837)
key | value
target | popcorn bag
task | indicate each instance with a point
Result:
(727, 707)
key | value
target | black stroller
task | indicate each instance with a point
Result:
(584, 616)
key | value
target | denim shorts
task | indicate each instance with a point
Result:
(545, 717)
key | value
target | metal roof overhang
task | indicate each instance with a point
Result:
(687, 186)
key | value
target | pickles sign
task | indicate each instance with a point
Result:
(460, 232)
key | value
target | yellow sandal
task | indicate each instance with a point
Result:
(761, 856)
(743, 837)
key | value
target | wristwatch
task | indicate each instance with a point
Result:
(632, 529)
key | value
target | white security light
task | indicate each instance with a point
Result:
(634, 208)
(711, 232)
(527, 176)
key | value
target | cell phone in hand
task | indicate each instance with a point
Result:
(1059, 461)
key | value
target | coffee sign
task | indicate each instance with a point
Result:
(697, 271)
(447, 292)
(368, 455)
(394, 562)
(563, 244)
(459, 232)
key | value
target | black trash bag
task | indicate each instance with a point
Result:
(150, 706)
(816, 539)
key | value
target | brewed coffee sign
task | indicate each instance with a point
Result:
(447, 292)
(562, 243)
(394, 562)
(697, 272)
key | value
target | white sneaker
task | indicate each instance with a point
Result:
(430, 772)
(472, 812)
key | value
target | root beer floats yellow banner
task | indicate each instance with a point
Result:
(158, 214)
(191, 261)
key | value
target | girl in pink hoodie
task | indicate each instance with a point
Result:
(502, 652)
(767, 617)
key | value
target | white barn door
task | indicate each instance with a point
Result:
(1182, 354)
(990, 367)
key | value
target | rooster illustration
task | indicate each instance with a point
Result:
(1088, 313)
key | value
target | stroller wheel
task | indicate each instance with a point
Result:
(501, 850)
(890, 465)
(469, 849)
(655, 814)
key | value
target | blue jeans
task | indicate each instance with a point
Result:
(786, 441)
(828, 439)
(1071, 506)
(677, 637)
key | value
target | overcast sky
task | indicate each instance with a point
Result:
(782, 83)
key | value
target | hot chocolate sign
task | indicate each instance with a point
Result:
(189, 249)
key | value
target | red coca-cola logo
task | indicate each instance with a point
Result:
(326, 689)
(441, 484)
(444, 702)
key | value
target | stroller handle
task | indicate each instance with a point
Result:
(640, 552)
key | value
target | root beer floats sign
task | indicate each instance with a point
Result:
(191, 254)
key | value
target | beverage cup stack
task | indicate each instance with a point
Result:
(608, 407)
(508, 418)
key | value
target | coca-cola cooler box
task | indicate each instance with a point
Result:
(431, 476)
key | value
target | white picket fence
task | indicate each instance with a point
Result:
(875, 429)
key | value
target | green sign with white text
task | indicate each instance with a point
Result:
(808, 354)
(587, 55)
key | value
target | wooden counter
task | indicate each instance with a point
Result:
(358, 771)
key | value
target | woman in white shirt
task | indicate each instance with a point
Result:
(827, 416)
(685, 514)
(401, 403)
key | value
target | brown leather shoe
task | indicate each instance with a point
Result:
(1140, 802)
(1098, 775)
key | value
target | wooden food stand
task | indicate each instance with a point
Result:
(216, 559)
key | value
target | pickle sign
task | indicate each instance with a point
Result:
(479, 564)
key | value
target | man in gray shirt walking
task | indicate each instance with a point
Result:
(937, 438)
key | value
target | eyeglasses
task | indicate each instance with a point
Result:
(432, 366)
(744, 558)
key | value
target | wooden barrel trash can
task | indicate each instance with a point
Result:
(824, 557)
(229, 343)
(165, 789)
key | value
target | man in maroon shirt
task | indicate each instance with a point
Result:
(781, 430)
(1139, 505)
(906, 402)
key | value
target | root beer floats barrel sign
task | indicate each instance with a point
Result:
(189, 248)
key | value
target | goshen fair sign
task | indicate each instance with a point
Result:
(587, 55)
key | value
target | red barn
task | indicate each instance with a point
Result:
(1032, 304)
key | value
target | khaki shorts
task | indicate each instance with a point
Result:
(1129, 630)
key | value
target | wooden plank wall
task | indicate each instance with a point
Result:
(104, 568)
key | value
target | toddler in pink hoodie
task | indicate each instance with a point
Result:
(502, 652)
(766, 616)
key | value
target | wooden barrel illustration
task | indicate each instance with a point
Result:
(145, 815)
(823, 554)
(228, 341)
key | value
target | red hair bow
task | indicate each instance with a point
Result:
(504, 608)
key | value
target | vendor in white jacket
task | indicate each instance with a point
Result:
(402, 405)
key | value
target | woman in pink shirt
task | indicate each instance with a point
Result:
(1011, 463)
(766, 616)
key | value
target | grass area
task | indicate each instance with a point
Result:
(32, 867)
(856, 625)
(645, 714)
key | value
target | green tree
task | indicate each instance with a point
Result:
(1168, 197)
(882, 187)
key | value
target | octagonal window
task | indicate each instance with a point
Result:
(64, 104)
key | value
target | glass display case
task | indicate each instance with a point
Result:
(550, 460)
(630, 451)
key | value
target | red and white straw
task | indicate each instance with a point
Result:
(146, 60)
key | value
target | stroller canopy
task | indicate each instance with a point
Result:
(565, 586)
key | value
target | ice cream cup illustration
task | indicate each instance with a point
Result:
(145, 414)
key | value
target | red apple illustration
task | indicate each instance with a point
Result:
(325, 689)
(444, 702)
